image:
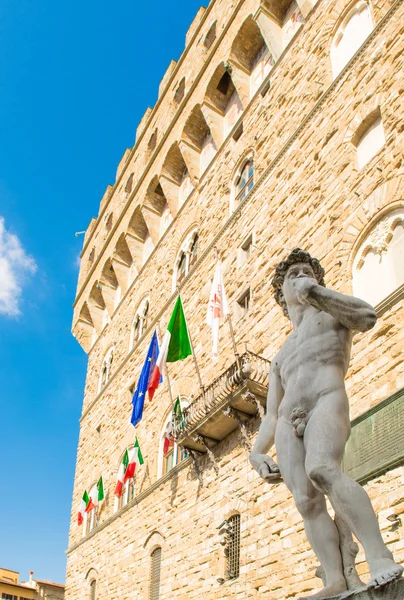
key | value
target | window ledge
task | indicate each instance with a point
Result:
(389, 302)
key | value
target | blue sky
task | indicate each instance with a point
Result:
(75, 79)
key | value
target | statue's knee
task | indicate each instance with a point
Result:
(304, 504)
(322, 477)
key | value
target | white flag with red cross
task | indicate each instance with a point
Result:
(218, 307)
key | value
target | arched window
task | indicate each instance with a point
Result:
(139, 324)
(155, 570)
(90, 521)
(186, 258)
(91, 517)
(128, 491)
(370, 141)
(93, 589)
(244, 182)
(353, 31)
(106, 369)
(92, 255)
(170, 453)
(380, 259)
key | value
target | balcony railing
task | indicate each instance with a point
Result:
(235, 396)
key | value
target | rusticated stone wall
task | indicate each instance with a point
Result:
(308, 193)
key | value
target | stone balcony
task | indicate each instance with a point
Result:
(236, 396)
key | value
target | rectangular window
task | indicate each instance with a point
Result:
(239, 132)
(246, 250)
(155, 574)
(244, 303)
(168, 460)
(93, 590)
(233, 556)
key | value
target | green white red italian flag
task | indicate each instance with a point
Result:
(96, 495)
(131, 459)
(176, 345)
(82, 508)
(90, 501)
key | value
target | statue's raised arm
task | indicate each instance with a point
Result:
(353, 313)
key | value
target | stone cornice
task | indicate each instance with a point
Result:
(171, 126)
(166, 133)
(130, 504)
(391, 299)
(256, 187)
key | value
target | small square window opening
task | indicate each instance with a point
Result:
(244, 303)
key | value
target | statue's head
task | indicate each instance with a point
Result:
(297, 256)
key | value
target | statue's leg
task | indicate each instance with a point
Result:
(320, 528)
(325, 436)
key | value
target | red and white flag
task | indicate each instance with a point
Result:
(218, 307)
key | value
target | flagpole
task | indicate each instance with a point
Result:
(236, 354)
(195, 362)
(233, 339)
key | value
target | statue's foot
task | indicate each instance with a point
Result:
(329, 590)
(384, 571)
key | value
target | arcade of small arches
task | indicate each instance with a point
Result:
(253, 53)
(368, 141)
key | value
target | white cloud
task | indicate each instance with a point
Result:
(15, 265)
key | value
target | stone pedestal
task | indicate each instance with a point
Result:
(392, 591)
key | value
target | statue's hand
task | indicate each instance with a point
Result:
(265, 467)
(303, 286)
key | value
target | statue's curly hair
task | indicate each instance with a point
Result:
(296, 256)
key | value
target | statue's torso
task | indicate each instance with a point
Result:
(313, 362)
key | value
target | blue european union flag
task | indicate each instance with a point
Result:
(143, 383)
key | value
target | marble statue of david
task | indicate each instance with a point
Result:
(308, 419)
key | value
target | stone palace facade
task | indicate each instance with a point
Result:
(281, 125)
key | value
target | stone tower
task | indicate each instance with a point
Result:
(281, 125)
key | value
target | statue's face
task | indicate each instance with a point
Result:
(295, 272)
